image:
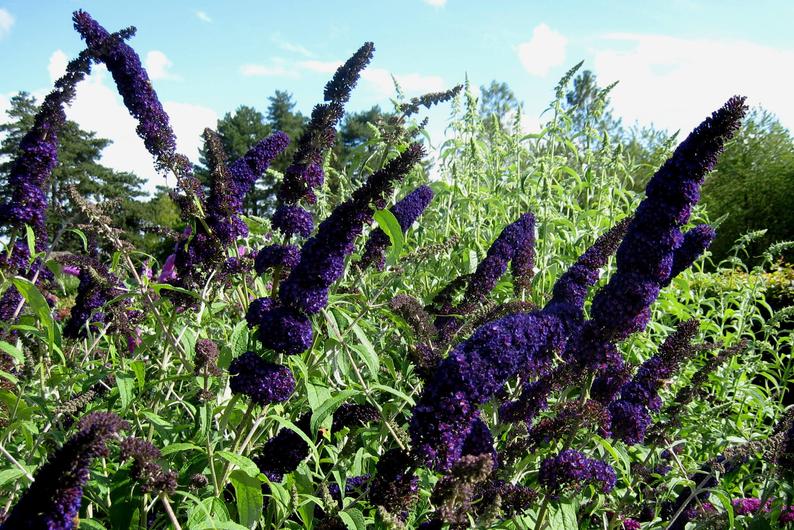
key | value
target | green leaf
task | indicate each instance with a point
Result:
(7, 475)
(92, 523)
(40, 307)
(168, 287)
(402, 395)
(367, 351)
(79, 233)
(353, 519)
(239, 338)
(31, 239)
(140, 372)
(389, 224)
(178, 448)
(242, 462)
(248, 491)
(328, 407)
(125, 384)
(13, 351)
(726, 505)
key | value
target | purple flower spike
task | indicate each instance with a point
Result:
(696, 241)
(53, 500)
(323, 256)
(260, 380)
(572, 470)
(406, 211)
(257, 309)
(284, 452)
(285, 330)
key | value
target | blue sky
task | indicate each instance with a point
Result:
(676, 60)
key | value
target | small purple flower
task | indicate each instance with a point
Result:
(284, 452)
(573, 470)
(257, 309)
(97, 286)
(746, 506)
(285, 330)
(273, 256)
(260, 380)
(354, 415)
(291, 220)
(168, 272)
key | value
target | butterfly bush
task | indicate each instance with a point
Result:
(487, 409)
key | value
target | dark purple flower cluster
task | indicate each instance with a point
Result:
(260, 380)
(306, 172)
(395, 486)
(257, 309)
(569, 418)
(135, 88)
(53, 500)
(354, 415)
(145, 468)
(291, 220)
(205, 359)
(273, 256)
(572, 470)
(284, 452)
(474, 371)
(406, 211)
(358, 484)
(630, 415)
(97, 286)
(284, 326)
(38, 156)
(648, 252)
(514, 240)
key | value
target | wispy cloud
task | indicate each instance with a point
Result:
(158, 65)
(675, 82)
(277, 68)
(435, 3)
(323, 67)
(290, 46)
(203, 16)
(544, 51)
(6, 22)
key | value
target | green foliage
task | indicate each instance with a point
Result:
(577, 180)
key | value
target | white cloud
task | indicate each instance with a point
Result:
(435, 3)
(675, 83)
(158, 66)
(412, 84)
(545, 50)
(57, 64)
(203, 16)
(290, 46)
(323, 67)
(276, 68)
(6, 21)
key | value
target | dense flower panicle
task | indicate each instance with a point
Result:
(406, 211)
(473, 373)
(206, 358)
(454, 494)
(346, 76)
(285, 330)
(275, 255)
(394, 486)
(569, 418)
(630, 415)
(260, 380)
(695, 242)
(145, 468)
(513, 239)
(608, 382)
(291, 220)
(284, 452)
(411, 310)
(747, 506)
(248, 168)
(523, 263)
(38, 156)
(135, 88)
(645, 257)
(323, 255)
(570, 289)
(354, 415)
(572, 470)
(257, 309)
(430, 99)
(95, 289)
(53, 500)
